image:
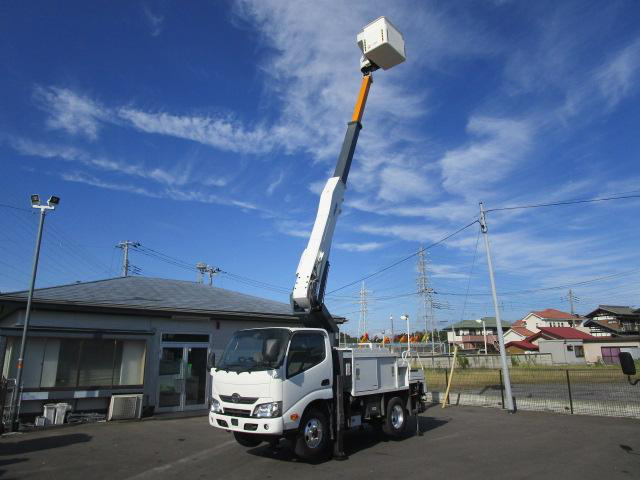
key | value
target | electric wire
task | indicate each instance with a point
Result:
(408, 257)
(561, 203)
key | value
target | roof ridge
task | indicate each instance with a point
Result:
(62, 286)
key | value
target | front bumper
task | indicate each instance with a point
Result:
(263, 426)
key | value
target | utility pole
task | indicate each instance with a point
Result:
(212, 271)
(16, 396)
(503, 353)
(125, 257)
(362, 324)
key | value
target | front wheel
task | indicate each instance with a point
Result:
(312, 441)
(247, 439)
(396, 418)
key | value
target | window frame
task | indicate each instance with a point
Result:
(293, 337)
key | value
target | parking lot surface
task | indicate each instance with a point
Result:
(458, 443)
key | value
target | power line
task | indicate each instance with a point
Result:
(565, 202)
(408, 257)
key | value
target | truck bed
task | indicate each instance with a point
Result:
(370, 371)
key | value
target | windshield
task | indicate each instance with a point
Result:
(254, 350)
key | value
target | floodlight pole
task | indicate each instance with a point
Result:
(17, 390)
(503, 353)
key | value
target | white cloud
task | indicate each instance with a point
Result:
(617, 77)
(154, 20)
(221, 133)
(499, 145)
(69, 111)
(360, 247)
(275, 183)
(402, 183)
(179, 176)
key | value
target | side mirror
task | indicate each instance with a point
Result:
(271, 350)
(211, 360)
(627, 363)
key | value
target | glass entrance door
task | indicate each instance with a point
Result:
(196, 377)
(171, 378)
(182, 378)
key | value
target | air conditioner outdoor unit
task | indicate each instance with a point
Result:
(125, 407)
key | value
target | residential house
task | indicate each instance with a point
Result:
(520, 346)
(614, 319)
(89, 341)
(565, 344)
(469, 334)
(607, 349)
(549, 317)
(517, 333)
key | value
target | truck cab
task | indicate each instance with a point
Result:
(267, 377)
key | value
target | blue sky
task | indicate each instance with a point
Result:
(206, 130)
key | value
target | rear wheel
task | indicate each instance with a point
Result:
(396, 418)
(247, 439)
(312, 440)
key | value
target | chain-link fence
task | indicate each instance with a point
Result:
(600, 391)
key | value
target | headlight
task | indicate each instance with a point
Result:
(268, 410)
(215, 406)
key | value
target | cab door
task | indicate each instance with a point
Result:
(308, 373)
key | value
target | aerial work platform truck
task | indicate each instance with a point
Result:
(298, 383)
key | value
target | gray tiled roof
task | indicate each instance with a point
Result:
(616, 309)
(155, 294)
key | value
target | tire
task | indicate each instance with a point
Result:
(247, 439)
(313, 438)
(396, 418)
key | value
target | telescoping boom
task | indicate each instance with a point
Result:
(297, 382)
(382, 47)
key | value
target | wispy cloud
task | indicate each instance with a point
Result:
(275, 183)
(499, 145)
(360, 247)
(222, 133)
(70, 111)
(154, 20)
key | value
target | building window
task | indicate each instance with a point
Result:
(78, 363)
(579, 351)
(570, 348)
(610, 354)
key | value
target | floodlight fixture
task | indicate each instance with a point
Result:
(35, 200)
(53, 201)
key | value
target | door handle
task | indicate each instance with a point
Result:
(325, 382)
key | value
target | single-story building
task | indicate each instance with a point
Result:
(607, 349)
(89, 341)
(515, 347)
(565, 344)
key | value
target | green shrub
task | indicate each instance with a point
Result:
(463, 362)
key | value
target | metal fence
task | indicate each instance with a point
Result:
(598, 391)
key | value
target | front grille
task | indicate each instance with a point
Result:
(236, 412)
(238, 399)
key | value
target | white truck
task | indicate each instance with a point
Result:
(298, 383)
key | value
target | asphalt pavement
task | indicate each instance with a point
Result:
(457, 443)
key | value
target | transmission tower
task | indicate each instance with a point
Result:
(364, 308)
(202, 269)
(426, 297)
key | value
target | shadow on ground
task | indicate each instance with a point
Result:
(35, 444)
(354, 441)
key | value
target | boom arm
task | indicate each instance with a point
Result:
(311, 275)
